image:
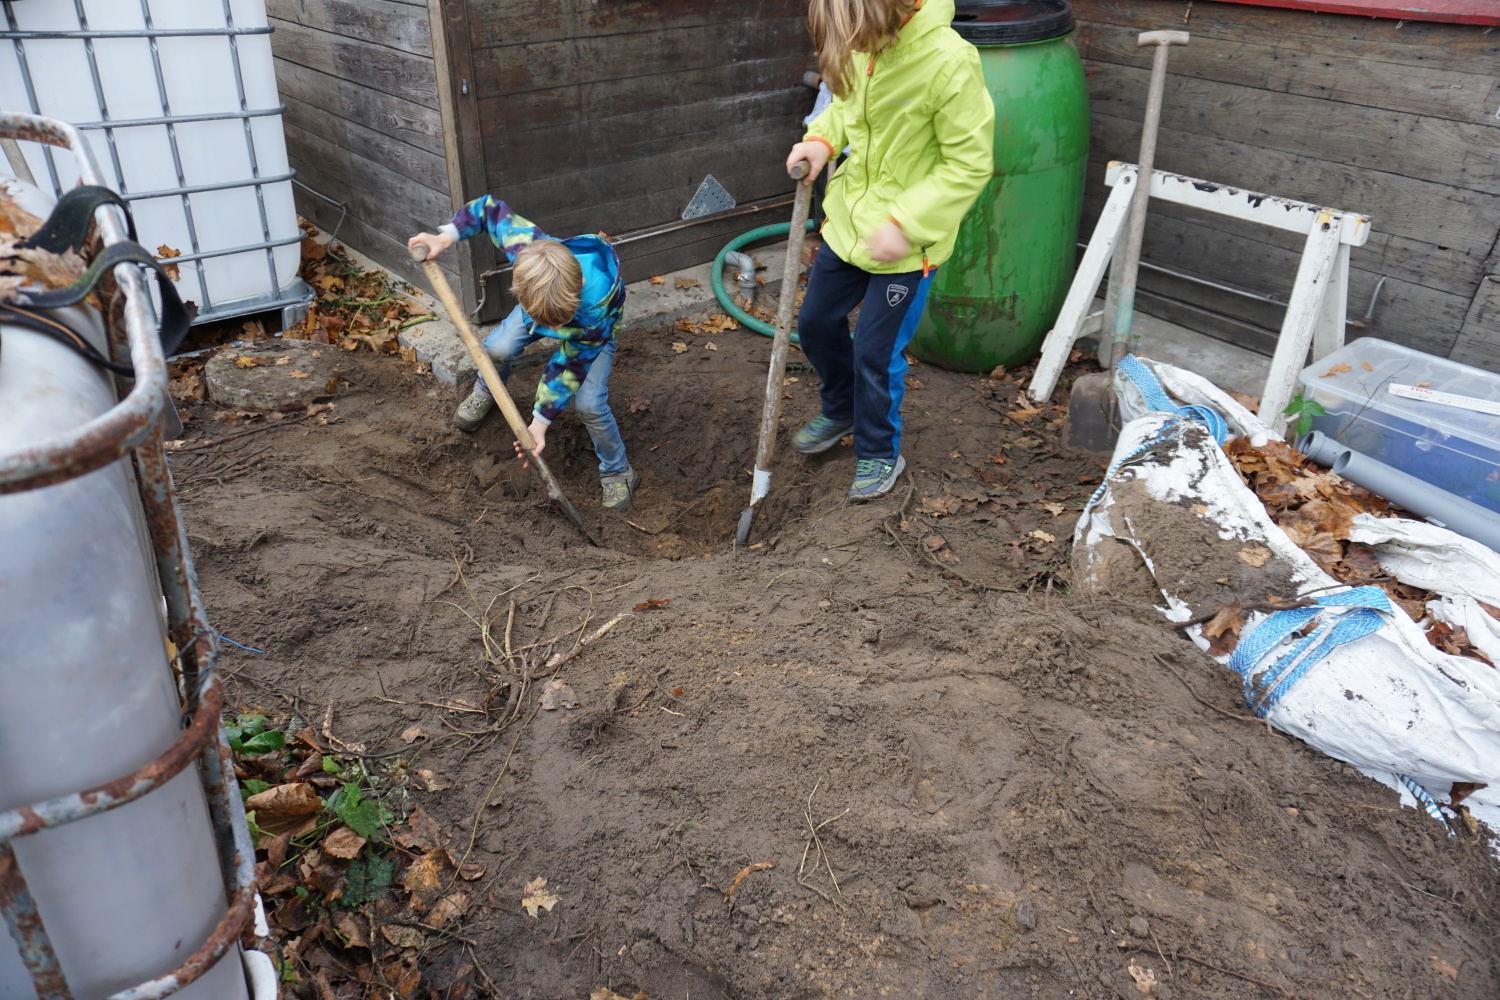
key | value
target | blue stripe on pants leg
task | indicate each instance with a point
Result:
(897, 384)
(887, 321)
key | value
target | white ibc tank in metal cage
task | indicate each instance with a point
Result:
(178, 100)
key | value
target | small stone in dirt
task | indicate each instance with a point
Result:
(835, 712)
(1139, 927)
(1026, 914)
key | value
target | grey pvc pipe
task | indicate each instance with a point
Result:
(746, 277)
(1421, 498)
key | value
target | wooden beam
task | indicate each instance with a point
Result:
(516, 69)
(1345, 75)
(458, 103)
(1478, 341)
(1442, 46)
(1451, 11)
(382, 198)
(1446, 152)
(376, 67)
(497, 24)
(396, 117)
(382, 22)
(418, 164)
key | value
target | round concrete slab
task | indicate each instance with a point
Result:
(271, 374)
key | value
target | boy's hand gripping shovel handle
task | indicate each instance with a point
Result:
(765, 450)
(492, 380)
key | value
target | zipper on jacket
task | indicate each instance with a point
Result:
(869, 134)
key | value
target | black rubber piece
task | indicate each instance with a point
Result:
(1012, 22)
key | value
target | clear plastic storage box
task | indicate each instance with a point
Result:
(1450, 447)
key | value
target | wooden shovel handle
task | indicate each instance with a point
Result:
(466, 333)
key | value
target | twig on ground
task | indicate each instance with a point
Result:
(435, 704)
(203, 446)
(458, 569)
(1258, 982)
(1229, 715)
(558, 659)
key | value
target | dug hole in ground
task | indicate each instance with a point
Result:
(886, 752)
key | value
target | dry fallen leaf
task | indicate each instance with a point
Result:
(788, 381)
(343, 843)
(757, 867)
(411, 734)
(1442, 967)
(654, 602)
(1055, 509)
(284, 360)
(1367, 366)
(290, 807)
(535, 897)
(710, 346)
(297, 373)
(657, 279)
(403, 936)
(638, 404)
(1145, 979)
(428, 877)
(1223, 629)
(679, 348)
(165, 252)
(431, 780)
(686, 282)
(1254, 555)
(353, 928)
(557, 693)
(421, 832)
(1338, 369)
(245, 361)
(447, 909)
(1042, 536)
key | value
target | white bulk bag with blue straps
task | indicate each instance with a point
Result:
(1350, 674)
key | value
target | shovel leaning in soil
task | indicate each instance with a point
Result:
(497, 388)
(765, 450)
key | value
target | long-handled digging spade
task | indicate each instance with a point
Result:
(1115, 344)
(497, 388)
(765, 450)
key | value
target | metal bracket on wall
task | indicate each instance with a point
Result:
(710, 198)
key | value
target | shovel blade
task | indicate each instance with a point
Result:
(743, 534)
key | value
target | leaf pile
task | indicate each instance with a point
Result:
(360, 905)
(354, 306)
(1316, 509)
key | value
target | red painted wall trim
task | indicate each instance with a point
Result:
(1454, 11)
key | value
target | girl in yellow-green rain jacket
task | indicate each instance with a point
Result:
(911, 106)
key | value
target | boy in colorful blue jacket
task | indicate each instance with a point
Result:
(570, 291)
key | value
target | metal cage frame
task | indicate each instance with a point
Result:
(293, 298)
(132, 428)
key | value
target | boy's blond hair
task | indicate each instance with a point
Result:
(547, 280)
(839, 28)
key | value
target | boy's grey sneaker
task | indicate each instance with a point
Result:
(874, 477)
(472, 411)
(820, 434)
(619, 489)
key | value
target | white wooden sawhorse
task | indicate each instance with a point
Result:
(1315, 314)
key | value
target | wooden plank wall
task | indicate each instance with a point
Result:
(606, 114)
(362, 120)
(1396, 120)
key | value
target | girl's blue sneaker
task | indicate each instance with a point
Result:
(820, 434)
(874, 477)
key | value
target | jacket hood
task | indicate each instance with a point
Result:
(933, 14)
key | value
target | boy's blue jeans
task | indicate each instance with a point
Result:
(506, 342)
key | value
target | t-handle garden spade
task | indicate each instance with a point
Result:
(765, 451)
(492, 379)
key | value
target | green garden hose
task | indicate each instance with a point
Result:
(716, 276)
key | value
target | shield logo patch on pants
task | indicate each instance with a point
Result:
(895, 294)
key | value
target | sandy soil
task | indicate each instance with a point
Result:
(1018, 793)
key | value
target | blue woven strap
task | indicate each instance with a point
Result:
(1341, 618)
(1146, 383)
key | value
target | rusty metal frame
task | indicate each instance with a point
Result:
(132, 428)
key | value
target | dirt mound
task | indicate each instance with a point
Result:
(946, 776)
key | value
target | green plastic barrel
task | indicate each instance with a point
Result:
(994, 300)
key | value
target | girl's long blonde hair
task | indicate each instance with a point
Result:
(839, 28)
